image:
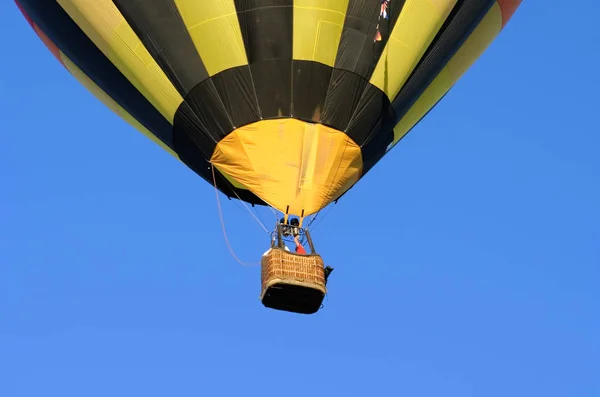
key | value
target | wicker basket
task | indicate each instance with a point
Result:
(292, 282)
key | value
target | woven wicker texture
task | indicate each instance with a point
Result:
(282, 266)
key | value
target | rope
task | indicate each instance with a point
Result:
(321, 218)
(274, 213)
(223, 223)
(259, 221)
(262, 221)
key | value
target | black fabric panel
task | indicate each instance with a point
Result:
(463, 19)
(249, 5)
(373, 115)
(187, 122)
(194, 147)
(273, 84)
(372, 126)
(344, 94)
(372, 151)
(376, 147)
(236, 90)
(358, 52)
(71, 40)
(161, 29)
(311, 81)
(206, 103)
(267, 28)
(189, 137)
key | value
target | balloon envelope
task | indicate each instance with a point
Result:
(292, 101)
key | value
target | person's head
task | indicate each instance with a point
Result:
(285, 228)
(295, 224)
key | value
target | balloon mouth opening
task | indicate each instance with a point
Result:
(296, 167)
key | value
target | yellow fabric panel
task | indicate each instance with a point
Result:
(233, 181)
(417, 25)
(214, 27)
(317, 29)
(110, 103)
(288, 162)
(474, 46)
(105, 26)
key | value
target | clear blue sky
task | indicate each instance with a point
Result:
(467, 263)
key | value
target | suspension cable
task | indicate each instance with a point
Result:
(259, 221)
(223, 223)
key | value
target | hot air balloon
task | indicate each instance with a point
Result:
(280, 103)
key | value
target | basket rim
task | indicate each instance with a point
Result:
(292, 252)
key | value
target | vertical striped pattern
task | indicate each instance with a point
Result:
(84, 80)
(162, 31)
(318, 28)
(102, 22)
(462, 21)
(188, 72)
(60, 29)
(267, 32)
(358, 52)
(418, 24)
(215, 31)
(465, 56)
